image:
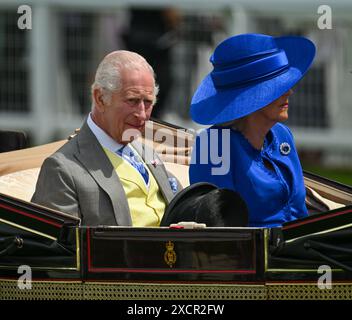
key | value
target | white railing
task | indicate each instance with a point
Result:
(54, 113)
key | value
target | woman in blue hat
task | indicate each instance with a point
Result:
(245, 99)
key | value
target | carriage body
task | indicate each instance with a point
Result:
(70, 261)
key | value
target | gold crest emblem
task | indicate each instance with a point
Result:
(170, 254)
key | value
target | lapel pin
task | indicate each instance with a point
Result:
(154, 162)
(285, 148)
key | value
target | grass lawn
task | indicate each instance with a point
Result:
(340, 175)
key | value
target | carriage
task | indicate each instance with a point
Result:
(309, 258)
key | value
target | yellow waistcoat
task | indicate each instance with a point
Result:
(147, 205)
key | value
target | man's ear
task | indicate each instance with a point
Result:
(98, 97)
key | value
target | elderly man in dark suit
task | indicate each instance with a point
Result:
(102, 175)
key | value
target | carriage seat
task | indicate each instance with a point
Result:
(19, 169)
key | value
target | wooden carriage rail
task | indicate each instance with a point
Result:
(33, 157)
(332, 190)
(19, 169)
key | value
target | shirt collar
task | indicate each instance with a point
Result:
(104, 139)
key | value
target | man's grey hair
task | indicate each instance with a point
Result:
(108, 74)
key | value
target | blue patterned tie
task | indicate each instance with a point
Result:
(128, 154)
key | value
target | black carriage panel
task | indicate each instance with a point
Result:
(37, 237)
(162, 254)
(300, 248)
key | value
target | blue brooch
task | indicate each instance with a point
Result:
(173, 184)
(285, 148)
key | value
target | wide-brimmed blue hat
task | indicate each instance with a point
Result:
(250, 71)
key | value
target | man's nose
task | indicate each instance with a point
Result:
(141, 113)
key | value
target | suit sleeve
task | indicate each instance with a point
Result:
(55, 188)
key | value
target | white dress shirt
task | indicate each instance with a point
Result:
(104, 139)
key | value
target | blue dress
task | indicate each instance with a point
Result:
(273, 196)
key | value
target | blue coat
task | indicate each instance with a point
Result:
(272, 196)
